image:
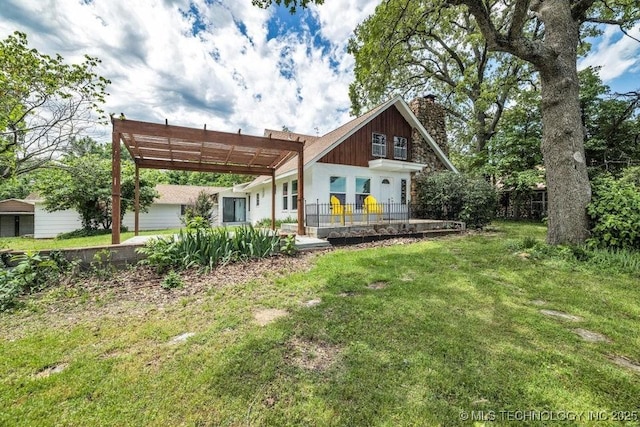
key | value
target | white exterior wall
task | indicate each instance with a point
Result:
(317, 184)
(158, 217)
(50, 224)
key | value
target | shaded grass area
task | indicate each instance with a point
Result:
(404, 335)
(31, 244)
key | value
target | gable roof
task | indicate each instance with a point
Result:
(16, 206)
(315, 149)
(169, 194)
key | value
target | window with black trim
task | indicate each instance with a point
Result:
(403, 191)
(399, 148)
(257, 199)
(379, 145)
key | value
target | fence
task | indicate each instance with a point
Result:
(327, 215)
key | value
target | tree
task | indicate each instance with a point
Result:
(44, 103)
(402, 49)
(553, 53)
(83, 183)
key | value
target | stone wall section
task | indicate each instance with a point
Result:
(432, 117)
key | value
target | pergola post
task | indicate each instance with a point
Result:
(115, 188)
(301, 227)
(137, 203)
(273, 199)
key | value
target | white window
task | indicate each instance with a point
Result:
(399, 148)
(379, 145)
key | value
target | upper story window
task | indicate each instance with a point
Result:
(399, 148)
(379, 145)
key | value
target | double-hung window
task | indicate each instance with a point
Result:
(399, 148)
(379, 145)
(338, 188)
(363, 189)
(285, 196)
(294, 195)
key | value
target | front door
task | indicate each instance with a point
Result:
(386, 192)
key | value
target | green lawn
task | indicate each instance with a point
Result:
(430, 333)
(30, 244)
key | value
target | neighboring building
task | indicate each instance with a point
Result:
(165, 212)
(16, 218)
(375, 154)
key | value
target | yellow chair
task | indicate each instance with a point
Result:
(338, 210)
(371, 206)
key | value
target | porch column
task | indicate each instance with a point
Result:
(137, 202)
(115, 188)
(301, 228)
(273, 199)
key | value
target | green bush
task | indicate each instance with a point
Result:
(172, 280)
(87, 232)
(452, 196)
(615, 214)
(32, 273)
(206, 247)
(266, 222)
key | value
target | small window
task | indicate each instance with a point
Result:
(379, 145)
(363, 189)
(338, 188)
(399, 148)
(285, 196)
(183, 210)
(294, 195)
(257, 199)
(403, 191)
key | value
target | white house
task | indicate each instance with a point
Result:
(165, 212)
(375, 154)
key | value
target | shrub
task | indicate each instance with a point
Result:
(201, 207)
(33, 272)
(266, 222)
(207, 247)
(615, 214)
(87, 232)
(452, 196)
(172, 280)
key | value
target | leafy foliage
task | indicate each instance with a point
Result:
(266, 222)
(201, 207)
(292, 5)
(83, 182)
(615, 214)
(202, 246)
(172, 280)
(452, 196)
(44, 103)
(33, 272)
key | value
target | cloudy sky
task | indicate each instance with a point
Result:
(227, 63)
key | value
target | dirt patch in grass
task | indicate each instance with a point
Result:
(50, 370)
(314, 356)
(561, 315)
(625, 363)
(377, 285)
(268, 315)
(591, 336)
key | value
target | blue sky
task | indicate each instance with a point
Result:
(229, 64)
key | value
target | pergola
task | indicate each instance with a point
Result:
(161, 146)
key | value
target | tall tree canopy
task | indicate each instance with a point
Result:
(411, 47)
(44, 103)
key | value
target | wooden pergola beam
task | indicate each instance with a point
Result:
(204, 167)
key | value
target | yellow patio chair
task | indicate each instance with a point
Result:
(338, 210)
(371, 206)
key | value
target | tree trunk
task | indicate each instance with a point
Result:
(562, 136)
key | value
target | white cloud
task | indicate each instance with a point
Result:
(159, 69)
(616, 55)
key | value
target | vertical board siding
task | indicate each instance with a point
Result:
(356, 150)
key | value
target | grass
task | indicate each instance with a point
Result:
(31, 244)
(404, 335)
